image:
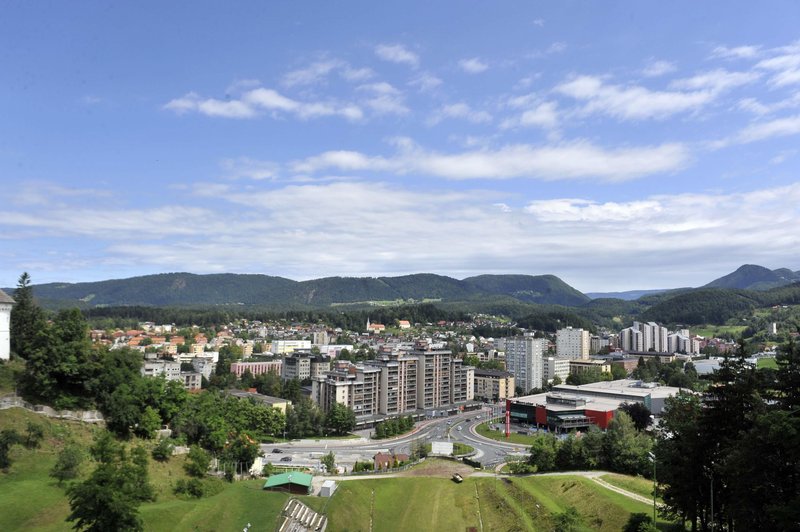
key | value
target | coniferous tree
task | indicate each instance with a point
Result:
(27, 318)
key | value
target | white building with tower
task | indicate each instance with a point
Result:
(6, 302)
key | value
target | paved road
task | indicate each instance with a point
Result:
(308, 453)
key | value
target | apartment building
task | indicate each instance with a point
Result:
(353, 385)
(258, 368)
(493, 385)
(553, 367)
(283, 347)
(524, 359)
(462, 382)
(304, 366)
(572, 343)
(644, 337)
(433, 376)
(398, 382)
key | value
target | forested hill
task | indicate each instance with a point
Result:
(754, 277)
(186, 289)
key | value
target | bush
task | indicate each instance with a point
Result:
(192, 487)
(163, 451)
(197, 462)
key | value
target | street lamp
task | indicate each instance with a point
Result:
(652, 457)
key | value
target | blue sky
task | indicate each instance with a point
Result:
(618, 145)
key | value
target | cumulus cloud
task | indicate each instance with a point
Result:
(397, 53)
(320, 70)
(425, 82)
(736, 52)
(343, 228)
(635, 102)
(383, 98)
(461, 111)
(575, 160)
(536, 113)
(473, 65)
(658, 68)
(254, 102)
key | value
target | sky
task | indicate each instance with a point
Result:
(617, 145)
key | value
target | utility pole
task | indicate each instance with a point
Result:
(652, 457)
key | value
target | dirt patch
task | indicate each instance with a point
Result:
(438, 468)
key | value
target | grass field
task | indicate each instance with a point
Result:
(638, 485)
(767, 363)
(425, 499)
(499, 435)
(714, 331)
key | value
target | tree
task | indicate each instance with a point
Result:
(109, 499)
(8, 438)
(149, 422)
(640, 522)
(543, 452)
(27, 318)
(639, 413)
(163, 450)
(197, 462)
(242, 450)
(329, 461)
(68, 463)
(340, 419)
(624, 448)
(34, 433)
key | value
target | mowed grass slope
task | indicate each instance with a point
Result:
(525, 503)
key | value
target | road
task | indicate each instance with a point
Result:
(459, 428)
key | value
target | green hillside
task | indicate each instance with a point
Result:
(186, 289)
(754, 277)
(546, 289)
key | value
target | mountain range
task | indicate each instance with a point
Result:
(187, 289)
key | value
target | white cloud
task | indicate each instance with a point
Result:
(631, 102)
(312, 73)
(716, 81)
(737, 52)
(538, 22)
(576, 160)
(244, 228)
(785, 65)
(425, 82)
(473, 65)
(251, 103)
(658, 68)
(462, 111)
(245, 167)
(384, 98)
(780, 127)
(397, 53)
(539, 114)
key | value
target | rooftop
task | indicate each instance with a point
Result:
(293, 477)
(5, 298)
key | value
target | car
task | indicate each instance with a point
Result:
(459, 427)
(276, 450)
(458, 479)
(286, 459)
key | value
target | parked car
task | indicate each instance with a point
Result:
(286, 459)
(276, 450)
(458, 479)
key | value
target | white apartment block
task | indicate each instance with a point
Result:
(644, 337)
(572, 343)
(170, 370)
(282, 347)
(556, 366)
(524, 358)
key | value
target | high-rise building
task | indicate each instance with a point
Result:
(494, 385)
(644, 337)
(398, 382)
(524, 356)
(572, 343)
(555, 367)
(6, 302)
(353, 385)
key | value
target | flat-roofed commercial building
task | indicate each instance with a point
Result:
(576, 367)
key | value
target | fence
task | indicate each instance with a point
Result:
(86, 416)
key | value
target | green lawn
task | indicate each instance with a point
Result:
(638, 485)
(713, 331)
(500, 435)
(767, 363)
